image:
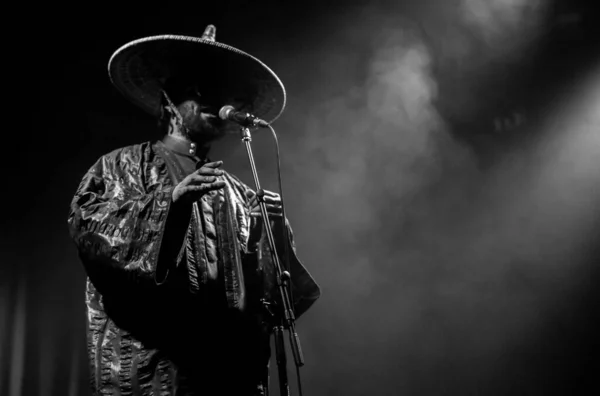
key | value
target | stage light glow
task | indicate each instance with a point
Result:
(500, 22)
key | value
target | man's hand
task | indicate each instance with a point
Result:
(198, 183)
(272, 200)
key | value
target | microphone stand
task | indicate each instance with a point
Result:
(287, 320)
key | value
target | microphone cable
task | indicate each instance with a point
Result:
(284, 233)
(286, 240)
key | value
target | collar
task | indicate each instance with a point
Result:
(181, 146)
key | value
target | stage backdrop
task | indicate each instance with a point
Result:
(440, 165)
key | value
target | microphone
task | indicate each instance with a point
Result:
(228, 112)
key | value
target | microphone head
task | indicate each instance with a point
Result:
(224, 112)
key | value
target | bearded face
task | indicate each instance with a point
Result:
(199, 108)
(201, 120)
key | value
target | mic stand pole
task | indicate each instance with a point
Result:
(287, 320)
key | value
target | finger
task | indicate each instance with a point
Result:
(274, 209)
(271, 193)
(267, 193)
(203, 188)
(214, 164)
(270, 209)
(273, 205)
(207, 171)
(258, 214)
(272, 200)
(268, 199)
(252, 194)
(216, 185)
(201, 179)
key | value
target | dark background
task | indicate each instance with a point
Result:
(440, 170)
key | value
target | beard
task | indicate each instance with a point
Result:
(202, 122)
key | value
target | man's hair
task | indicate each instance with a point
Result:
(164, 118)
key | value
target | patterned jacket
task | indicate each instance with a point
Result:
(175, 301)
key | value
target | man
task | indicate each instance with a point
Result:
(181, 294)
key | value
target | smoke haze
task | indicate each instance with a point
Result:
(439, 275)
(450, 218)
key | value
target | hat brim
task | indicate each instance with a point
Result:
(141, 69)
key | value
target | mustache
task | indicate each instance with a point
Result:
(212, 110)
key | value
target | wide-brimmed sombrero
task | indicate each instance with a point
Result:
(143, 68)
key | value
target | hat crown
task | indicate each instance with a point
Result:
(210, 33)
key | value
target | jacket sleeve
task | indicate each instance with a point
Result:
(120, 226)
(305, 290)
